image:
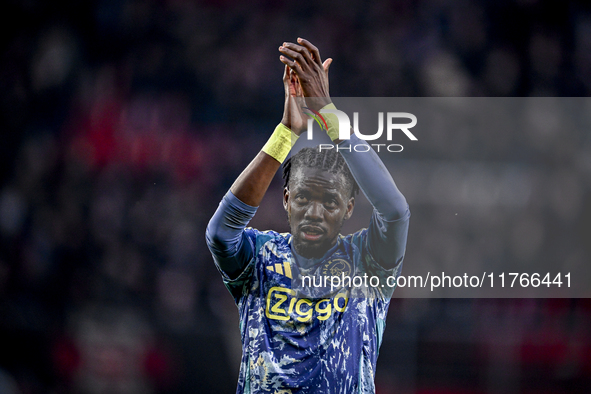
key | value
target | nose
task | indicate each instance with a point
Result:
(314, 211)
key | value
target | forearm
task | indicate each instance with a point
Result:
(388, 227)
(225, 231)
(252, 184)
(374, 180)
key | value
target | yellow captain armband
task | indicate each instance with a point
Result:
(280, 143)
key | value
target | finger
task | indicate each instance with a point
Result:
(295, 67)
(304, 53)
(299, 91)
(296, 84)
(313, 50)
(326, 64)
(295, 55)
(293, 83)
(292, 90)
(293, 76)
(287, 61)
(286, 80)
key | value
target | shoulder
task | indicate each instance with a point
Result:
(266, 238)
(356, 239)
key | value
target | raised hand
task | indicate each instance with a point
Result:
(293, 116)
(311, 72)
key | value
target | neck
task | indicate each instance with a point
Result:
(309, 261)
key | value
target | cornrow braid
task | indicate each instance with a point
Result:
(327, 160)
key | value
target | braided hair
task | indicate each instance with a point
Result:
(328, 160)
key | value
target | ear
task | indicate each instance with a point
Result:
(350, 206)
(286, 199)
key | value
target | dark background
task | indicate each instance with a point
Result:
(124, 123)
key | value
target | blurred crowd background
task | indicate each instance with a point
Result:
(125, 121)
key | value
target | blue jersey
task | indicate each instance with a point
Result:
(297, 343)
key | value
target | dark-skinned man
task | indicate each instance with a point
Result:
(304, 344)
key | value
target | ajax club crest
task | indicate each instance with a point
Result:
(336, 267)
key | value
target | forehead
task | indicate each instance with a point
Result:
(316, 178)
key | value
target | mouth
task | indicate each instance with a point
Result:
(311, 233)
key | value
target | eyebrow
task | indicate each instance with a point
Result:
(332, 194)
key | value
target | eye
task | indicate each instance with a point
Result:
(331, 202)
(301, 198)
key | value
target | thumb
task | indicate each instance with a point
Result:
(327, 64)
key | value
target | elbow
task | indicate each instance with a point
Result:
(398, 209)
(213, 236)
(402, 207)
(219, 241)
